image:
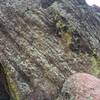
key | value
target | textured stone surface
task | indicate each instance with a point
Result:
(33, 52)
(82, 86)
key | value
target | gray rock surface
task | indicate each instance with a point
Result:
(33, 54)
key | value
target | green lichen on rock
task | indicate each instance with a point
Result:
(59, 21)
(65, 29)
(96, 66)
(68, 38)
(9, 84)
(14, 93)
(61, 26)
(4, 91)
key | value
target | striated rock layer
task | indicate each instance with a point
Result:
(33, 51)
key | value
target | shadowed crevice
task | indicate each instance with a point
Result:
(4, 91)
(46, 3)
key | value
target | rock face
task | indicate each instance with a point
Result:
(82, 86)
(33, 52)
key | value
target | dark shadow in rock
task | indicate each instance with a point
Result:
(4, 95)
(82, 2)
(79, 45)
(46, 3)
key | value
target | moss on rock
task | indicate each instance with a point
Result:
(14, 93)
(68, 38)
(96, 66)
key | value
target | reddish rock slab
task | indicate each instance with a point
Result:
(81, 86)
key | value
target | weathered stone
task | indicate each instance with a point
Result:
(82, 86)
(34, 55)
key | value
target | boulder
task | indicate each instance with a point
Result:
(81, 86)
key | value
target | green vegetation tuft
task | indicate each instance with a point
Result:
(65, 28)
(12, 86)
(68, 38)
(96, 66)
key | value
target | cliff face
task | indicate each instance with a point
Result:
(41, 42)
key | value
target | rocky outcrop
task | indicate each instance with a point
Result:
(81, 86)
(33, 49)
